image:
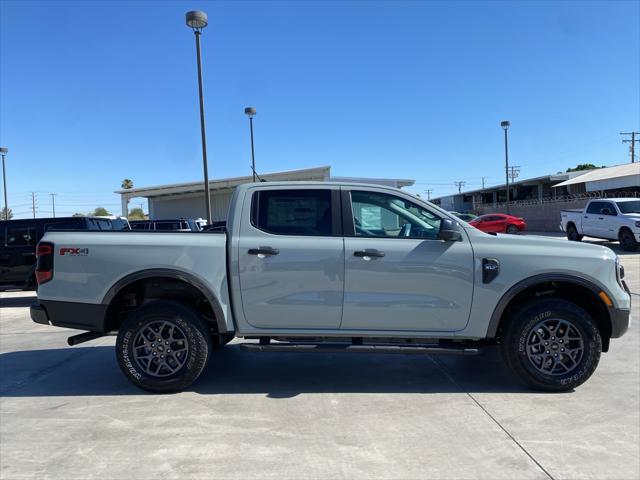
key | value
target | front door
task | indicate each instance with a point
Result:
(291, 259)
(398, 275)
(592, 220)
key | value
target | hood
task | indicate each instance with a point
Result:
(631, 216)
(532, 242)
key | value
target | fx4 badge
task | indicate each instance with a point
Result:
(74, 251)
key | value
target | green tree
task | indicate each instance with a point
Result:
(137, 214)
(100, 212)
(127, 183)
(6, 214)
(583, 166)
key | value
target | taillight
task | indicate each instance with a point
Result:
(44, 264)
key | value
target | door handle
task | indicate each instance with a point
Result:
(586, 216)
(264, 251)
(369, 252)
(600, 218)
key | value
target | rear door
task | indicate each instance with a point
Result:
(291, 258)
(398, 275)
(592, 219)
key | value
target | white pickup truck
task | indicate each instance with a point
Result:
(333, 267)
(607, 218)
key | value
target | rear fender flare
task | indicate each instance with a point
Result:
(174, 274)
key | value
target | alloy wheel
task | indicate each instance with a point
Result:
(160, 348)
(555, 346)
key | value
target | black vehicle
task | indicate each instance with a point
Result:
(178, 224)
(18, 240)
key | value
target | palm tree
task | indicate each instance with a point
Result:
(127, 183)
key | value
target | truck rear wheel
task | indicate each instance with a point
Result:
(163, 346)
(552, 344)
(572, 233)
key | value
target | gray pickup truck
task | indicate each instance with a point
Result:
(327, 267)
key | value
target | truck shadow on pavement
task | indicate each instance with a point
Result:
(12, 302)
(93, 371)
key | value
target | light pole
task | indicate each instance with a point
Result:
(197, 20)
(250, 112)
(3, 152)
(505, 125)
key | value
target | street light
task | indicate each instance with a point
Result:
(3, 152)
(250, 112)
(505, 125)
(197, 21)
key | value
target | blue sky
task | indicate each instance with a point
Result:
(92, 92)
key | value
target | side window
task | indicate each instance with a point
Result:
(610, 207)
(21, 235)
(594, 207)
(293, 212)
(382, 215)
(168, 226)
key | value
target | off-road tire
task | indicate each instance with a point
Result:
(519, 329)
(191, 332)
(572, 234)
(627, 241)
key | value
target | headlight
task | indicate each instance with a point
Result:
(619, 271)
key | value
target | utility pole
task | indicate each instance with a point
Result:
(633, 143)
(505, 125)
(53, 203)
(460, 185)
(428, 192)
(514, 172)
(483, 183)
(33, 203)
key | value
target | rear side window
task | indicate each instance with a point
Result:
(594, 207)
(21, 235)
(293, 212)
(139, 226)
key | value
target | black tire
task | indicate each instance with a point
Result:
(572, 233)
(627, 241)
(569, 370)
(181, 328)
(511, 230)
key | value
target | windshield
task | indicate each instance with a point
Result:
(629, 207)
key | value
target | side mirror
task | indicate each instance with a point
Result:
(449, 231)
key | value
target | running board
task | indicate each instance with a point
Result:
(349, 348)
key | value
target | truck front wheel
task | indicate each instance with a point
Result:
(163, 346)
(627, 240)
(552, 344)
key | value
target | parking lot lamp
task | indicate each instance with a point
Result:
(197, 20)
(3, 152)
(505, 125)
(250, 112)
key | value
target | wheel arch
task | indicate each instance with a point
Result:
(538, 286)
(171, 274)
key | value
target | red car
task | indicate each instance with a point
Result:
(499, 223)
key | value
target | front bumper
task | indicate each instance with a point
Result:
(619, 322)
(81, 316)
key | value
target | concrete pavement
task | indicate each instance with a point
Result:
(69, 413)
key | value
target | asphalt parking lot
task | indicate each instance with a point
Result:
(68, 412)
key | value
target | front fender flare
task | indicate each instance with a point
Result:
(494, 323)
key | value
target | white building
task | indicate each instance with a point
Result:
(185, 200)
